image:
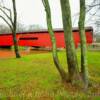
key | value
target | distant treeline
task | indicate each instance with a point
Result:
(20, 28)
(97, 37)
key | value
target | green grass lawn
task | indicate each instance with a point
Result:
(34, 77)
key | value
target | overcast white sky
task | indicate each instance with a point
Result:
(32, 11)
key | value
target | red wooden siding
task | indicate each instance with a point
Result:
(42, 38)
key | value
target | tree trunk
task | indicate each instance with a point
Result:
(15, 45)
(14, 30)
(52, 36)
(84, 69)
(69, 42)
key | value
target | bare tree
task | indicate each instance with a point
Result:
(73, 70)
(69, 42)
(11, 21)
(84, 68)
(54, 48)
(93, 11)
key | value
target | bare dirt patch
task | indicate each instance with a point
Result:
(10, 53)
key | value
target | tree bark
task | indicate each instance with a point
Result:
(69, 42)
(53, 40)
(14, 30)
(84, 68)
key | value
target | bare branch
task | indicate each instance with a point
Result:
(6, 15)
(44, 5)
(9, 10)
(93, 5)
(7, 23)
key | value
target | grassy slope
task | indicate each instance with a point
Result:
(35, 77)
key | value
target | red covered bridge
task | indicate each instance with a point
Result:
(41, 38)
